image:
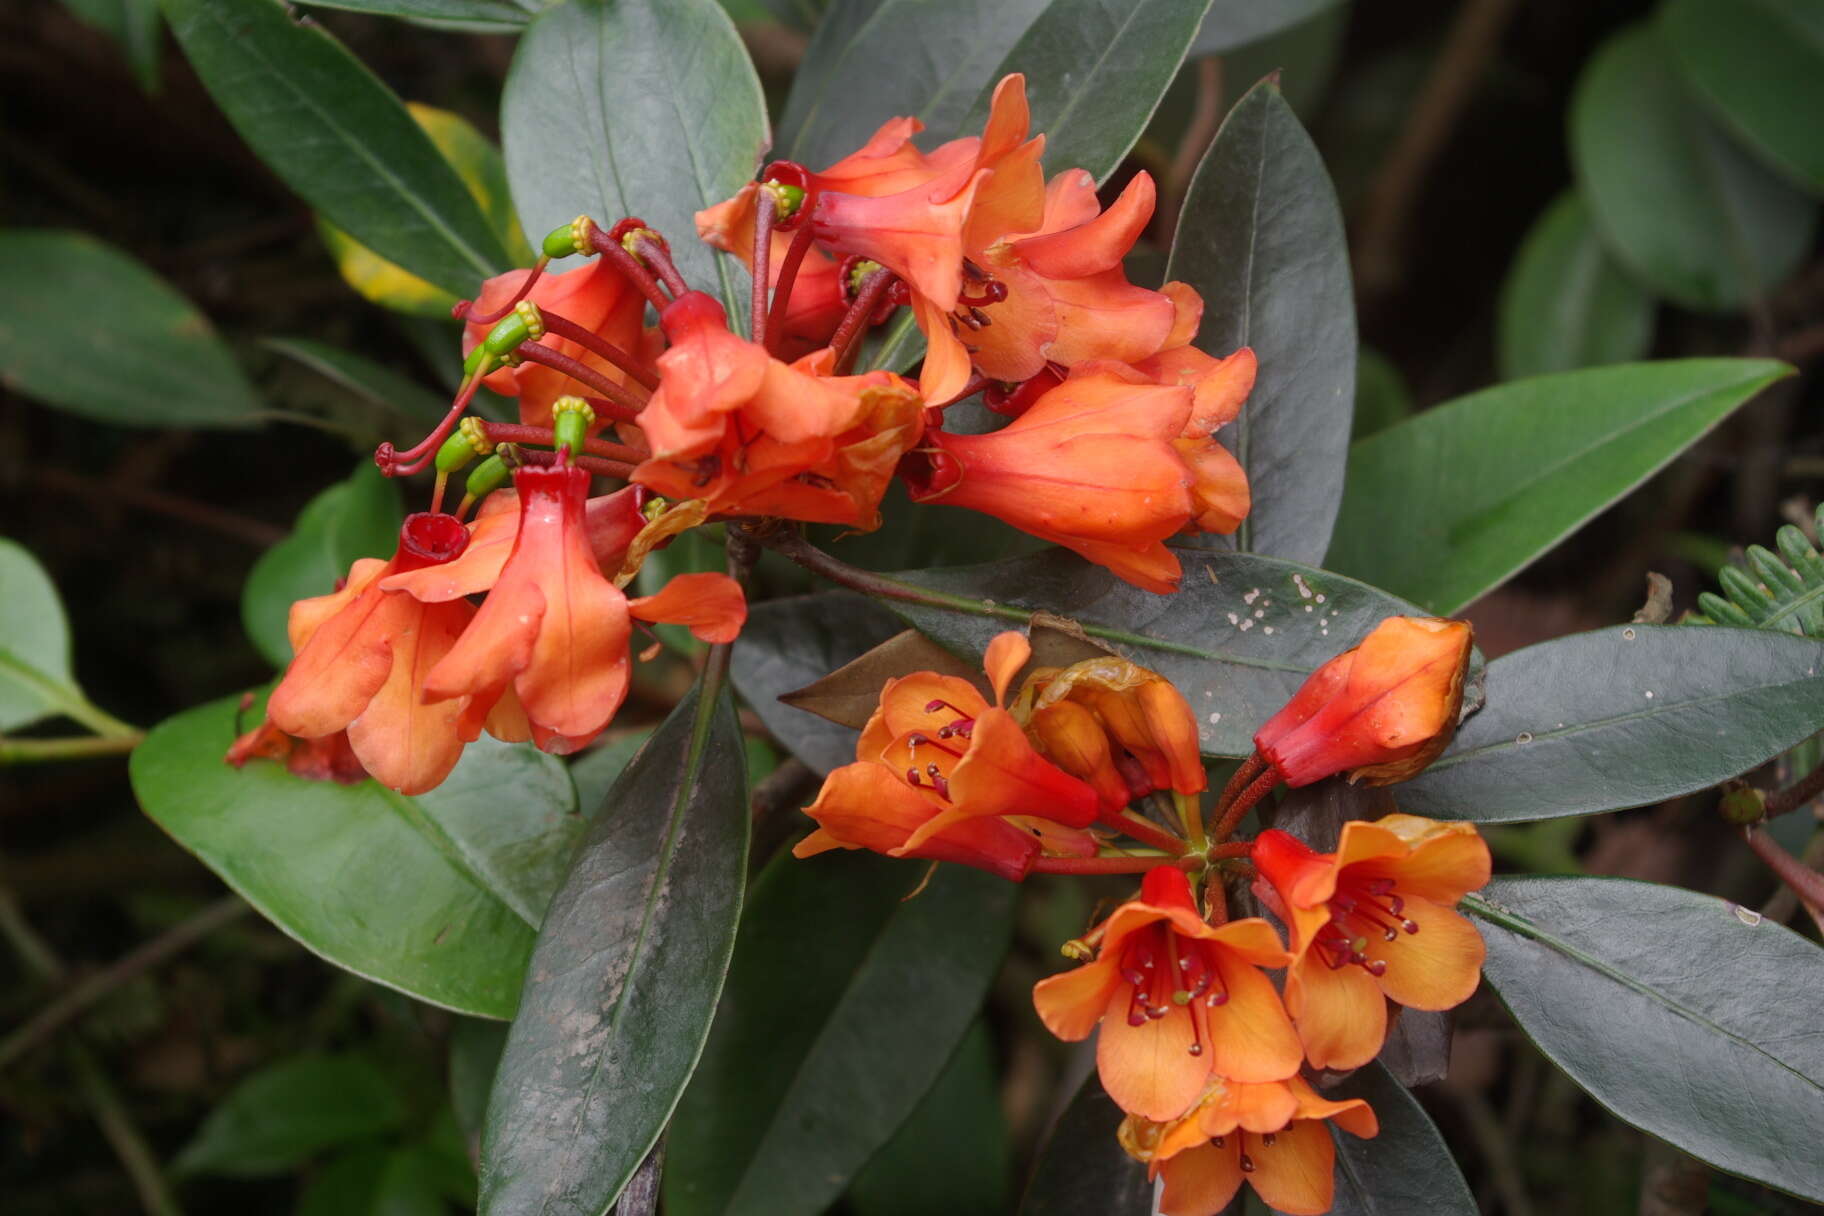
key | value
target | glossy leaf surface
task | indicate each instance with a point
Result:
(1261, 237)
(625, 977)
(157, 361)
(356, 518)
(1759, 65)
(1623, 717)
(1680, 203)
(339, 137)
(1450, 504)
(1713, 999)
(1565, 303)
(436, 896)
(1406, 1168)
(837, 988)
(35, 676)
(1237, 639)
(636, 107)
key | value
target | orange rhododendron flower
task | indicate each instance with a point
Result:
(329, 758)
(1380, 712)
(553, 627)
(361, 654)
(1124, 729)
(1178, 1000)
(1271, 1135)
(816, 304)
(749, 434)
(1375, 917)
(1089, 466)
(941, 773)
(597, 297)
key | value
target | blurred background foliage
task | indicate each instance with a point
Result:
(1529, 187)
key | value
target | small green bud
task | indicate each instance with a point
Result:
(1744, 805)
(488, 476)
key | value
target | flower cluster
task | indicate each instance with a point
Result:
(1194, 1040)
(1017, 283)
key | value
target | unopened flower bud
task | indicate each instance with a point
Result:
(1070, 737)
(1380, 712)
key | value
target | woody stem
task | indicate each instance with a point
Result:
(765, 211)
(788, 276)
(847, 340)
(630, 266)
(1097, 865)
(1805, 882)
(1145, 830)
(639, 369)
(1799, 793)
(513, 432)
(582, 373)
(1244, 801)
(659, 258)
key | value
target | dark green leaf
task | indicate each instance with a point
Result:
(475, 1048)
(381, 387)
(479, 16)
(787, 644)
(346, 1186)
(1448, 505)
(625, 976)
(135, 25)
(87, 328)
(1677, 201)
(1623, 717)
(1082, 1170)
(943, 54)
(1237, 640)
(339, 137)
(435, 896)
(1683, 1014)
(1094, 75)
(1566, 304)
(352, 519)
(958, 1124)
(1236, 23)
(843, 1006)
(287, 1112)
(598, 769)
(1382, 397)
(35, 677)
(1406, 1168)
(637, 107)
(1759, 64)
(1261, 237)
(410, 1185)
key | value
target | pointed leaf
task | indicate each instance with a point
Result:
(381, 387)
(1683, 1014)
(477, 16)
(1082, 1170)
(352, 519)
(1094, 75)
(281, 1116)
(1238, 638)
(625, 976)
(839, 1017)
(1450, 504)
(339, 137)
(1674, 197)
(791, 643)
(636, 107)
(35, 677)
(1261, 237)
(1759, 65)
(1406, 1168)
(434, 896)
(90, 330)
(1624, 717)
(1566, 304)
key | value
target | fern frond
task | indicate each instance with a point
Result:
(1782, 591)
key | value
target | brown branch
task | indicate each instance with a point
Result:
(1206, 119)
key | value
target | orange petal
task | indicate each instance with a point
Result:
(1098, 245)
(340, 669)
(1220, 495)
(1187, 313)
(1449, 859)
(306, 615)
(1340, 1014)
(475, 570)
(711, 604)
(1250, 1035)
(1007, 653)
(1201, 1181)
(1436, 968)
(406, 744)
(946, 368)
(1296, 1174)
(1149, 1069)
(1072, 1002)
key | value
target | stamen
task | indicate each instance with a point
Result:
(1269, 1139)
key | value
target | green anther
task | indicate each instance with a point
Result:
(858, 274)
(655, 507)
(570, 238)
(487, 477)
(456, 452)
(535, 320)
(511, 330)
(786, 199)
(571, 418)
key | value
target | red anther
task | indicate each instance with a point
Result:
(993, 292)
(1269, 1139)
(1247, 1164)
